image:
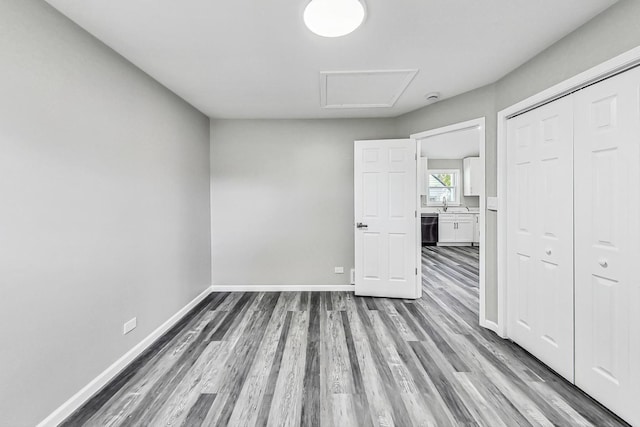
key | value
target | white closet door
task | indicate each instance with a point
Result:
(540, 230)
(607, 295)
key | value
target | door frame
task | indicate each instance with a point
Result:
(480, 123)
(609, 68)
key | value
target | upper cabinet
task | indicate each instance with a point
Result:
(473, 171)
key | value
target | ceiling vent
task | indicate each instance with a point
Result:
(363, 89)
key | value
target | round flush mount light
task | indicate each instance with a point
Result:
(333, 18)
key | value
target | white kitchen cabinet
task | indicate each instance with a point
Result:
(455, 228)
(472, 176)
(447, 228)
(464, 228)
(476, 228)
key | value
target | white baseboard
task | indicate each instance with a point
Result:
(280, 288)
(88, 391)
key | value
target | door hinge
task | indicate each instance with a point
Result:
(415, 214)
(416, 156)
(416, 271)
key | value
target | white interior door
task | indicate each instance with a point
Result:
(607, 295)
(540, 233)
(386, 219)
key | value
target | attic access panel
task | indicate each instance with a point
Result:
(363, 89)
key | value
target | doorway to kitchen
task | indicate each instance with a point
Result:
(451, 203)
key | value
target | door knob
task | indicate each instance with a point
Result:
(603, 263)
(361, 225)
(548, 251)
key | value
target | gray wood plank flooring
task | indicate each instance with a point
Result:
(334, 359)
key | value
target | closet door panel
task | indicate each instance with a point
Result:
(554, 243)
(540, 215)
(521, 221)
(607, 138)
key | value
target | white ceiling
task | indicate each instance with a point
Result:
(452, 145)
(256, 59)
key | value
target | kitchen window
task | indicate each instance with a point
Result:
(443, 184)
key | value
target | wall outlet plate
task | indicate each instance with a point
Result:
(338, 270)
(130, 326)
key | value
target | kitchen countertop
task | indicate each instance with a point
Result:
(455, 209)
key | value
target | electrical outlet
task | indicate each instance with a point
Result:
(338, 270)
(130, 326)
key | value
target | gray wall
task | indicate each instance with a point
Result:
(611, 33)
(282, 199)
(104, 177)
(472, 201)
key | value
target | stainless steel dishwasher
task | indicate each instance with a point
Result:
(429, 229)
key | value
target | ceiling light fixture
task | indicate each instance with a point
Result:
(333, 18)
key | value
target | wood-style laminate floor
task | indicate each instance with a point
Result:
(333, 359)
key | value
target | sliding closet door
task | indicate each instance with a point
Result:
(607, 203)
(540, 233)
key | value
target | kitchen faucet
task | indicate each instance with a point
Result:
(444, 203)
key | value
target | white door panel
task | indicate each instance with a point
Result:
(520, 273)
(540, 223)
(385, 202)
(607, 156)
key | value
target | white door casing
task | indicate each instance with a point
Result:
(479, 123)
(607, 252)
(423, 178)
(385, 204)
(540, 233)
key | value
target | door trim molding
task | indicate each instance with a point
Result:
(479, 122)
(600, 72)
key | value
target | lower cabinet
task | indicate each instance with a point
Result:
(476, 229)
(464, 228)
(456, 228)
(447, 228)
